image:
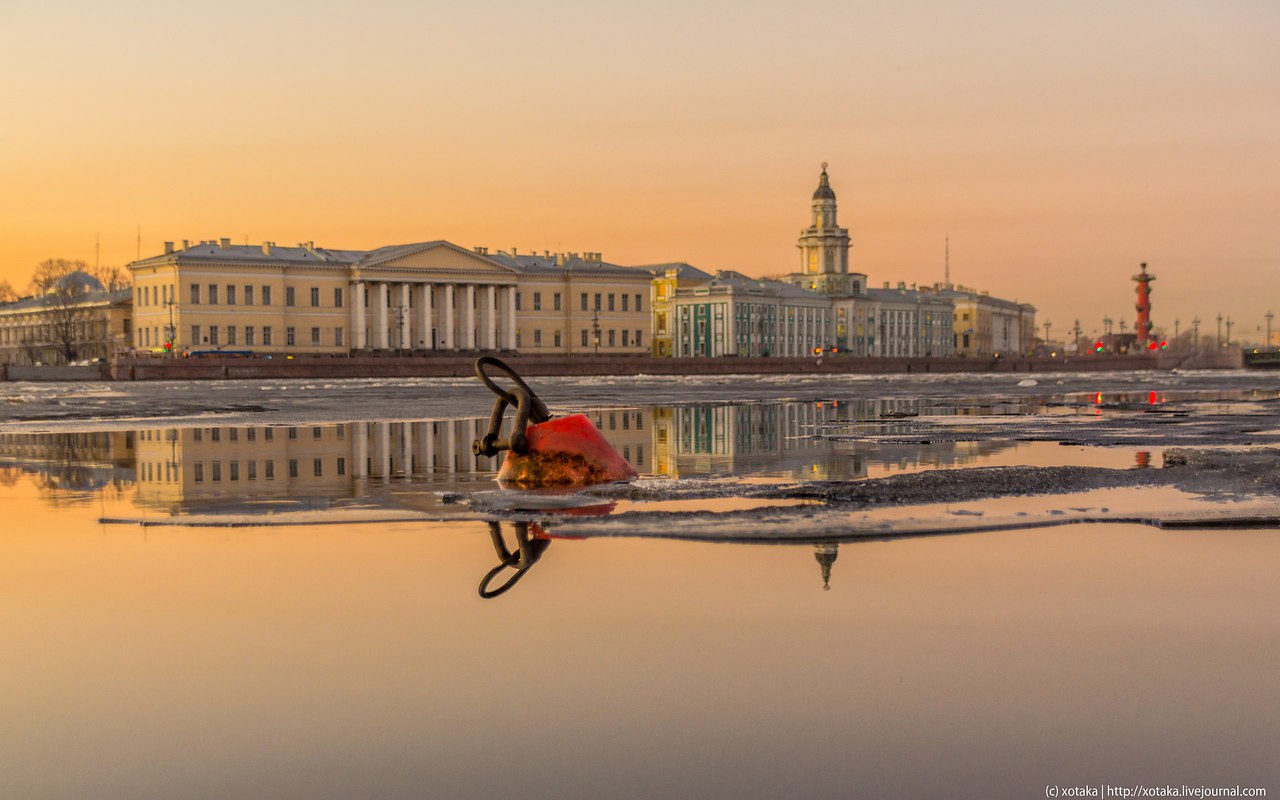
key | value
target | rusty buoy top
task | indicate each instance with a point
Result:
(541, 451)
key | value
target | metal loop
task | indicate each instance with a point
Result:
(502, 366)
(529, 410)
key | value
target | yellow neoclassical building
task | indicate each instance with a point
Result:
(428, 296)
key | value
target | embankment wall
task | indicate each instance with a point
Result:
(462, 365)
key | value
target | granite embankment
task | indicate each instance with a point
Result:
(459, 365)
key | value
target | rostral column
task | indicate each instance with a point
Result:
(1143, 326)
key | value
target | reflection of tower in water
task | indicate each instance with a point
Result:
(826, 554)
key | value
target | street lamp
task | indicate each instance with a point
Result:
(170, 332)
(595, 327)
(1269, 317)
(1218, 342)
(1195, 336)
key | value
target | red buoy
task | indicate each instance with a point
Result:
(568, 451)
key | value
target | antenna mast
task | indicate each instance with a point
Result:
(946, 281)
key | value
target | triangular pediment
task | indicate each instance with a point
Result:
(442, 257)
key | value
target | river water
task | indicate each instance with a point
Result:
(181, 620)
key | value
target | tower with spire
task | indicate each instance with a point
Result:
(824, 247)
(826, 554)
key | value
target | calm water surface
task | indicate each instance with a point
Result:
(358, 660)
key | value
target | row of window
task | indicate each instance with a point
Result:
(247, 296)
(268, 469)
(248, 336)
(609, 338)
(78, 331)
(603, 302)
(268, 434)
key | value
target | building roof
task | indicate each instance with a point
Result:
(901, 295)
(727, 279)
(971, 295)
(565, 263)
(79, 280)
(269, 252)
(684, 271)
(100, 297)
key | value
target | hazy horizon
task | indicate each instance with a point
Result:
(1056, 146)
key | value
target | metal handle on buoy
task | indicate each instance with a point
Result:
(529, 410)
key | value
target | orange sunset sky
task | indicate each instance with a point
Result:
(1056, 144)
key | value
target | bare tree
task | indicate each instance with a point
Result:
(7, 294)
(51, 271)
(70, 319)
(112, 277)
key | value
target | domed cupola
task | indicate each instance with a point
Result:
(823, 192)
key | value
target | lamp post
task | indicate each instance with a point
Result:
(1195, 336)
(170, 332)
(595, 328)
(1269, 317)
(1228, 342)
(400, 345)
(1218, 341)
(1175, 333)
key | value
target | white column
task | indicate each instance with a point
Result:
(406, 448)
(450, 446)
(383, 446)
(424, 316)
(491, 317)
(382, 298)
(406, 316)
(510, 319)
(361, 451)
(472, 435)
(446, 325)
(359, 336)
(469, 317)
(423, 445)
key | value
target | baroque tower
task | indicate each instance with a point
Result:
(824, 246)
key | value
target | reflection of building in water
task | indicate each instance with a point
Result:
(303, 463)
(826, 554)
(795, 440)
(322, 464)
(630, 431)
(69, 462)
